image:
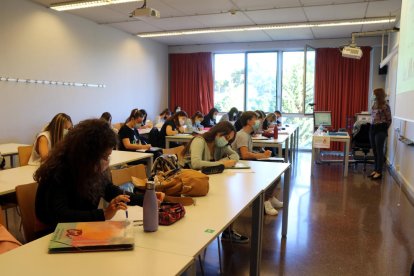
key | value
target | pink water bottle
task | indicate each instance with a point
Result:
(275, 132)
(150, 208)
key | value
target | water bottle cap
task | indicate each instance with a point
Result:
(150, 185)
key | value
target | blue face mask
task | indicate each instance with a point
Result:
(220, 142)
(256, 125)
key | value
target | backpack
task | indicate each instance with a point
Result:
(154, 137)
(164, 163)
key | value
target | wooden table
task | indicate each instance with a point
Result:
(10, 149)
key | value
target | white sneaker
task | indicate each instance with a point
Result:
(276, 203)
(269, 210)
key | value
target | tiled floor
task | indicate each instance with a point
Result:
(337, 226)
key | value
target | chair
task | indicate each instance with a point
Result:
(24, 154)
(361, 142)
(122, 176)
(176, 151)
(26, 196)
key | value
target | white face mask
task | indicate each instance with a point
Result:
(182, 122)
(214, 117)
(178, 110)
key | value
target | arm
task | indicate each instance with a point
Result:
(127, 144)
(42, 147)
(229, 153)
(170, 132)
(388, 115)
(198, 146)
(112, 191)
(246, 154)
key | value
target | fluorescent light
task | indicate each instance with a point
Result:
(86, 4)
(315, 24)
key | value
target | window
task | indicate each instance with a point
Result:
(309, 79)
(229, 81)
(261, 81)
(292, 82)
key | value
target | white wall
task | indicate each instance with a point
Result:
(38, 43)
(400, 156)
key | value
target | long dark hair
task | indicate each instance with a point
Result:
(77, 159)
(135, 114)
(379, 98)
(174, 118)
(222, 128)
(56, 127)
(107, 117)
(211, 112)
(196, 115)
(144, 113)
(231, 112)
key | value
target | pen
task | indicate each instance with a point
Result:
(126, 211)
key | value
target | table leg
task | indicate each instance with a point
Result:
(286, 191)
(191, 270)
(287, 150)
(346, 157)
(313, 157)
(167, 143)
(149, 165)
(257, 231)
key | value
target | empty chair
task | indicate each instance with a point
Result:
(122, 176)
(32, 227)
(360, 142)
(24, 154)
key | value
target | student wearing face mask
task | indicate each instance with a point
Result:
(164, 115)
(174, 125)
(129, 137)
(267, 123)
(230, 116)
(243, 144)
(278, 117)
(51, 135)
(75, 177)
(210, 118)
(194, 124)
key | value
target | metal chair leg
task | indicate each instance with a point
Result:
(219, 254)
(201, 265)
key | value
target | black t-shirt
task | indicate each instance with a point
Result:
(131, 133)
(208, 121)
(163, 132)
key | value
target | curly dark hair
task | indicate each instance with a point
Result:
(77, 159)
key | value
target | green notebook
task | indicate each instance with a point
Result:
(92, 236)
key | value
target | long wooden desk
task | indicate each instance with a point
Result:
(10, 149)
(11, 178)
(230, 194)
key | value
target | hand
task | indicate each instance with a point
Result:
(160, 197)
(229, 163)
(118, 203)
(181, 129)
(147, 146)
(267, 153)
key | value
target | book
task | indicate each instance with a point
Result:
(92, 236)
(272, 159)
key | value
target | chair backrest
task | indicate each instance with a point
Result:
(361, 139)
(26, 196)
(24, 154)
(177, 151)
(122, 176)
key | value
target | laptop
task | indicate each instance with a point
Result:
(92, 236)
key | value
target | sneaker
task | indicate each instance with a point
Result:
(269, 210)
(233, 236)
(276, 203)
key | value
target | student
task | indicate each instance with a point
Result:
(194, 124)
(164, 115)
(49, 138)
(74, 178)
(243, 144)
(268, 121)
(145, 123)
(278, 117)
(210, 118)
(177, 109)
(128, 134)
(174, 125)
(380, 122)
(230, 116)
(107, 117)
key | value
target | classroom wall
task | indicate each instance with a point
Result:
(400, 157)
(39, 43)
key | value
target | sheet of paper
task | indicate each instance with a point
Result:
(238, 171)
(134, 213)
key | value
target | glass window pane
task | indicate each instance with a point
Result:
(310, 79)
(292, 82)
(229, 81)
(305, 129)
(261, 81)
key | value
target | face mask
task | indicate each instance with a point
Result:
(178, 110)
(256, 125)
(197, 121)
(235, 114)
(182, 122)
(220, 142)
(65, 132)
(137, 125)
(214, 117)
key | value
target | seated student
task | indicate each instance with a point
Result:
(49, 137)
(75, 177)
(243, 144)
(176, 109)
(267, 123)
(278, 118)
(194, 124)
(230, 116)
(212, 149)
(174, 125)
(164, 115)
(210, 118)
(107, 117)
(145, 123)
(128, 134)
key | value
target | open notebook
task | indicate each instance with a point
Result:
(92, 236)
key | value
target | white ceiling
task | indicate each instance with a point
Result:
(190, 14)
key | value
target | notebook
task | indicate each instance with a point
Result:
(240, 165)
(92, 236)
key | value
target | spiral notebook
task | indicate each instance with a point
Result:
(92, 236)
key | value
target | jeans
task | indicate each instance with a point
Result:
(377, 139)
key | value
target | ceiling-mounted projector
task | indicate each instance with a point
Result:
(352, 51)
(148, 12)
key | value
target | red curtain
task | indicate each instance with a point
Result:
(191, 82)
(341, 84)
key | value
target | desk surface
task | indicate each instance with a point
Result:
(33, 259)
(10, 148)
(11, 178)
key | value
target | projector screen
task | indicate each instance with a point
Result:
(405, 73)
